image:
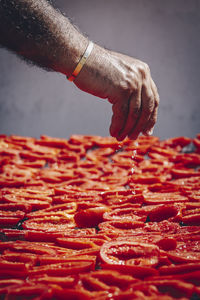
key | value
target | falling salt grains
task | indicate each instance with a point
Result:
(133, 157)
(119, 148)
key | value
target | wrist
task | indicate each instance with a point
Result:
(71, 45)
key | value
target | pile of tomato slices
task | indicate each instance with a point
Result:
(92, 218)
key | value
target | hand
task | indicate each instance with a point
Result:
(127, 84)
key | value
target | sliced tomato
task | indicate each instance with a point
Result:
(46, 260)
(25, 207)
(192, 219)
(90, 217)
(50, 224)
(105, 279)
(30, 291)
(126, 214)
(197, 144)
(26, 258)
(163, 212)
(174, 287)
(13, 269)
(59, 210)
(164, 198)
(128, 253)
(78, 244)
(177, 141)
(29, 247)
(63, 269)
(72, 294)
(184, 173)
(122, 227)
(64, 282)
(179, 269)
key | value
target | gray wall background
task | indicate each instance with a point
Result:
(165, 34)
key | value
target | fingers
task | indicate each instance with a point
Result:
(133, 114)
(148, 129)
(120, 113)
(135, 111)
(147, 108)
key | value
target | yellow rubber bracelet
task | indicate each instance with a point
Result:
(82, 61)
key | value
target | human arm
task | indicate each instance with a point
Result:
(39, 33)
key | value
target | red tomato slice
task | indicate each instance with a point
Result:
(184, 173)
(125, 214)
(30, 291)
(163, 212)
(174, 287)
(179, 269)
(73, 294)
(62, 269)
(121, 227)
(64, 282)
(90, 217)
(50, 224)
(126, 252)
(105, 279)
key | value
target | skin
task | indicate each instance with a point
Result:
(40, 34)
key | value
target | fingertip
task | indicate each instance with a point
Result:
(120, 138)
(113, 132)
(149, 132)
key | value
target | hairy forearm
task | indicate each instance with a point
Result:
(39, 33)
(36, 31)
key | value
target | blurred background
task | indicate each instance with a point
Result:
(165, 34)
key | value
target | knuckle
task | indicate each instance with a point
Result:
(125, 89)
(146, 66)
(144, 70)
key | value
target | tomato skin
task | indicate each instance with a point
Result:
(177, 141)
(162, 212)
(184, 173)
(167, 243)
(41, 236)
(179, 269)
(197, 144)
(9, 221)
(90, 217)
(192, 219)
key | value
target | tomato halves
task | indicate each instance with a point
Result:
(126, 252)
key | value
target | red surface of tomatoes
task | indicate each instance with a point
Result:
(91, 218)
